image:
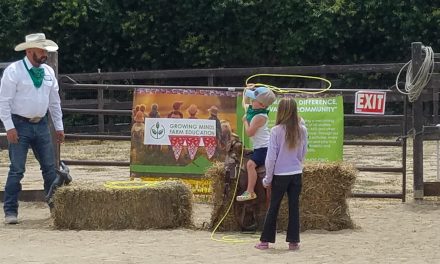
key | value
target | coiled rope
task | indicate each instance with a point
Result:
(414, 85)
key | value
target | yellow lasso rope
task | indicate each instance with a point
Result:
(233, 238)
(290, 90)
(129, 184)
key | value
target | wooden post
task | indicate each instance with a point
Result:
(404, 145)
(100, 106)
(435, 106)
(211, 80)
(52, 60)
(417, 116)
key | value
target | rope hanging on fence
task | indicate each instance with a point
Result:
(414, 85)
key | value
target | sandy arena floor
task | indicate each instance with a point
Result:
(389, 231)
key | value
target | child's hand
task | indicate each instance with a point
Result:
(266, 184)
(244, 119)
(250, 85)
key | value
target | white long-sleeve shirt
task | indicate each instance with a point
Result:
(19, 96)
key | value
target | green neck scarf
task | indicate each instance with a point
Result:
(37, 75)
(250, 113)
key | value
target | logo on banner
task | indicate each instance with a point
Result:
(157, 131)
(370, 102)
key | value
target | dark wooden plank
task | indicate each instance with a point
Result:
(377, 195)
(97, 111)
(372, 143)
(97, 163)
(230, 72)
(380, 169)
(28, 196)
(431, 188)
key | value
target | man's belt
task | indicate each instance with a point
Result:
(32, 120)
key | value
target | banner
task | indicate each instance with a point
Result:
(324, 118)
(179, 133)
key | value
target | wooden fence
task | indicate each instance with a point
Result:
(95, 81)
(233, 78)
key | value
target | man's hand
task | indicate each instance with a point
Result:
(12, 136)
(60, 136)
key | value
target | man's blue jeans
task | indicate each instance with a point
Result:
(38, 137)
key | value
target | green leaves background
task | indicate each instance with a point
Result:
(120, 35)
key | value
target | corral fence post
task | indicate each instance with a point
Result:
(52, 60)
(100, 104)
(417, 118)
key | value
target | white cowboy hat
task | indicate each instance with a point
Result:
(37, 40)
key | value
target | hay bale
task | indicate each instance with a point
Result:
(166, 204)
(221, 198)
(323, 200)
(323, 204)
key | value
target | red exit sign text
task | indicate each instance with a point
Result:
(370, 102)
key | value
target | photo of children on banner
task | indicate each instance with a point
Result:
(137, 130)
(256, 127)
(176, 113)
(154, 113)
(137, 133)
(192, 111)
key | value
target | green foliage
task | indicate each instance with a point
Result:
(116, 35)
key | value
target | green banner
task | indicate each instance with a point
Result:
(179, 133)
(324, 118)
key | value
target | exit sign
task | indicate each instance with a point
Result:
(370, 102)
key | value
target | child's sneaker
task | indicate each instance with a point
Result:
(293, 246)
(246, 196)
(262, 245)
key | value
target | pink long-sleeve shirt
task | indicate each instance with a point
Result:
(281, 160)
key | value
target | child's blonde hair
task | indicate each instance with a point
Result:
(287, 115)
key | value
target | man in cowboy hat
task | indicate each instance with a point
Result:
(29, 89)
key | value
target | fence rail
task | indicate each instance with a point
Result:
(103, 107)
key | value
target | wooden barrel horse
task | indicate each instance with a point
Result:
(250, 214)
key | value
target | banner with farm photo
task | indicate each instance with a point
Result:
(180, 132)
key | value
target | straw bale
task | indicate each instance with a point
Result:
(167, 204)
(221, 198)
(323, 200)
(323, 204)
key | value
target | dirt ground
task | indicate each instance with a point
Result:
(388, 231)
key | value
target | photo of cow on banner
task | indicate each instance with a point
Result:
(179, 133)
